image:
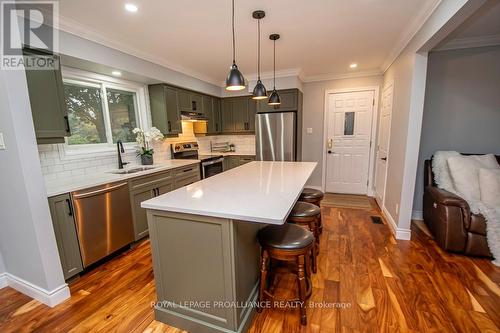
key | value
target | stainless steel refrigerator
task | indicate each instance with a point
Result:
(276, 136)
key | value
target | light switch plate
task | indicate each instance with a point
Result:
(2, 142)
(309, 130)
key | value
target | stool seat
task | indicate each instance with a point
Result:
(304, 209)
(286, 237)
(311, 194)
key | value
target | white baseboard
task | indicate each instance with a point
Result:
(417, 215)
(48, 297)
(3, 280)
(399, 233)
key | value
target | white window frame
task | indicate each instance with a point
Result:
(103, 82)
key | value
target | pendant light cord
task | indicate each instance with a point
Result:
(234, 43)
(258, 58)
(274, 66)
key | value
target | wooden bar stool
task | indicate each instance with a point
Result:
(289, 243)
(307, 215)
(313, 196)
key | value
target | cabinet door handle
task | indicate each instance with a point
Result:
(193, 105)
(70, 207)
(169, 126)
(157, 191)
(66, 121)
(216, 127)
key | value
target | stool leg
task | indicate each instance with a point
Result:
(313, 259)
(313, 226)
(263, 277)
(302, 289)
(320, 221)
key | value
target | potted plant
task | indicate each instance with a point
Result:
(144, 139)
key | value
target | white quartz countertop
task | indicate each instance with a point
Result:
(70, 184)
(260, 191)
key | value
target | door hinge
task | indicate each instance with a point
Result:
(373, 102)
(367, 182)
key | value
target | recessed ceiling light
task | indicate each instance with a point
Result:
(116, 73)
(353, 65)
(131, 7)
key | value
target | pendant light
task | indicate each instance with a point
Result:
(235, 80)
(274, 98)
(259, 91)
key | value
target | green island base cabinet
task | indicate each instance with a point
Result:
(225, 250)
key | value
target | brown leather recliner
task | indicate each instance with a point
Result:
(450, 220)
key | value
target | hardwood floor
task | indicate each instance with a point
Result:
(374, 284)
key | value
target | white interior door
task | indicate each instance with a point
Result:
(348, 147)
(382, 151)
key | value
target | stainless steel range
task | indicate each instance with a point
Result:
(210, 164)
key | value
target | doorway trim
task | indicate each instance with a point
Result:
(373, 137)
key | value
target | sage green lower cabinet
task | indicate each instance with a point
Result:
(147, 187)
(201, 260)
(61, 210)
(233, 161)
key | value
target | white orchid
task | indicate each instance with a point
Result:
(144, 139)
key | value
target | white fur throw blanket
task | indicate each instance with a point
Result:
(444, 180)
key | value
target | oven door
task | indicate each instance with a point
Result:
(211, 168)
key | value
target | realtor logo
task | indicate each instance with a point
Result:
(30, 24)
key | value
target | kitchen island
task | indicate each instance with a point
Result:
(204, 245)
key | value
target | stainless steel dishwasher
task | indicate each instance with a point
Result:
(103, 219)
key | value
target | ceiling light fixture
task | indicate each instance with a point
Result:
(130, 7)
(259, 91)
(116, 73)
(235, 80)
(274, 98)
(353, 65)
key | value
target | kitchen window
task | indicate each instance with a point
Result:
(101, 111)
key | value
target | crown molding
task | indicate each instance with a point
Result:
(280, 73)
(70, 26)
(328, 77)
(407, 35)
(470, 42)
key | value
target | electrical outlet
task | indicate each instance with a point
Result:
(309, 130)
(2, 142)
(397, 209)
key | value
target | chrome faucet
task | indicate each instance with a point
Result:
(119, 146)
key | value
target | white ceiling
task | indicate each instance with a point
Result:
(318, 38)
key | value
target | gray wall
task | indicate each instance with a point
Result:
(27, 240)
(462, 106)
(2, 265)
(314, 111)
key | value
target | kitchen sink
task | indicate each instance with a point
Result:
(131, 170)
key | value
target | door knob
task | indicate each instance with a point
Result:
(384, 158)
(330, 152)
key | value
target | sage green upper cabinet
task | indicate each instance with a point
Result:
(197, 103)
(227, 115)
(48, 106)
(211, 108)
(165, 111)
(61, 210)
(289, 102)
(238, 115)
(184, 100)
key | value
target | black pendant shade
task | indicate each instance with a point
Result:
(274, 98)
(235, 80)
(259, 91)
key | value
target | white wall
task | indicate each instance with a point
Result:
(313, 117)
(408, 72)
(27, 240)
(462, 106)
